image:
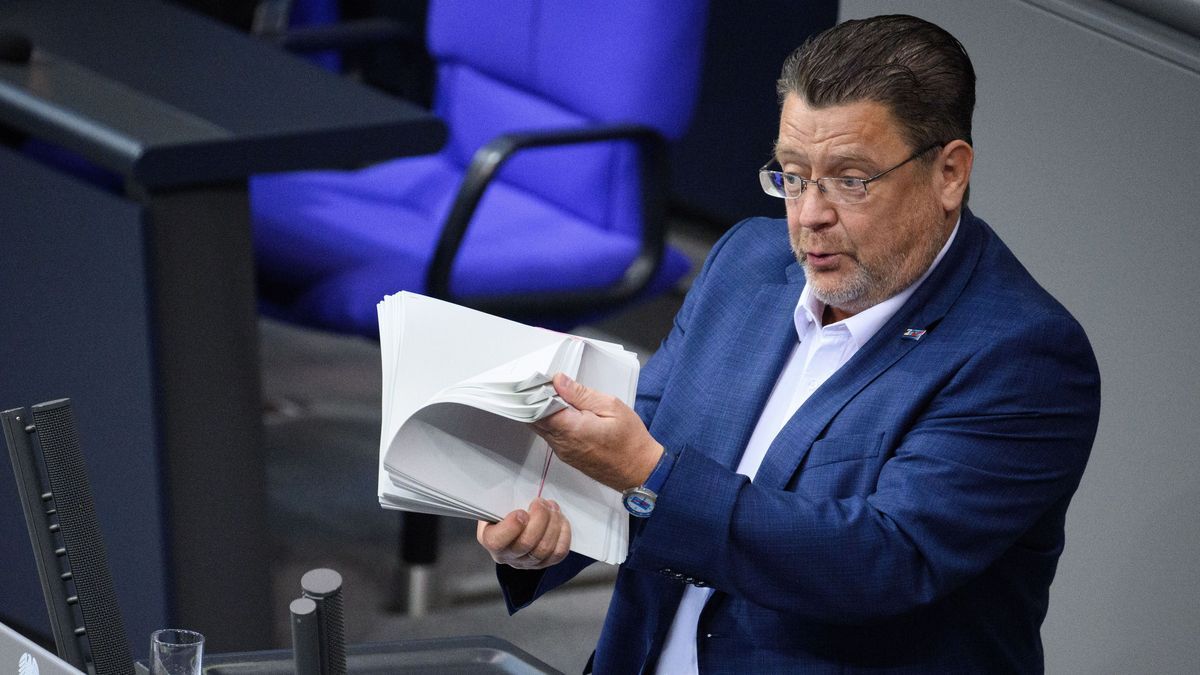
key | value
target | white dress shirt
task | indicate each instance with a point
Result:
(818, 354)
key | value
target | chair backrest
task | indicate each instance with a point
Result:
(524, 65)
(61, 516)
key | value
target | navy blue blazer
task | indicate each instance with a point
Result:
(909, 516)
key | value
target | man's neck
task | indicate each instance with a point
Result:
(833, 315)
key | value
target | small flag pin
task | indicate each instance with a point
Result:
(913, 333)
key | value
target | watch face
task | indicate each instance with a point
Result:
(639, 501)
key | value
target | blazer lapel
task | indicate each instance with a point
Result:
(921, 312)
(752, 362)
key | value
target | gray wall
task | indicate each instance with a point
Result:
(1087, 132)
(1181, 14)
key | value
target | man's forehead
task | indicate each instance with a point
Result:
(857, 131)
(845, 153)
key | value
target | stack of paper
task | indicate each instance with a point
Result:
(460, 388)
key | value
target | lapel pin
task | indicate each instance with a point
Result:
(913, 333)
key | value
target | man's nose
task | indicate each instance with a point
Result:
(811, 210)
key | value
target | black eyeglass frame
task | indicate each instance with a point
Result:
(804, 182)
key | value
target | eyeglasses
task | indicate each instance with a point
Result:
(837, 189)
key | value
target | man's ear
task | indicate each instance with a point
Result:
(954, 167)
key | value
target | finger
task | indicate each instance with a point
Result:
(535, 529)
(553, 423)
(579, 396)
(549, 541)
(535, 557)
(563, 546)
(498, 537)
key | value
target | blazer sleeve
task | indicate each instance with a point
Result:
(1002, 441)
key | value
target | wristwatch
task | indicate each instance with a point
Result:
(640, 500)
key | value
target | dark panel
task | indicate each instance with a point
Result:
(202, 275)
(72, 272)
(737, 117)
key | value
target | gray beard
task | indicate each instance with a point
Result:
(851, 297)
(869, 287)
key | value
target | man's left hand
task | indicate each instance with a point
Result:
(600, 436)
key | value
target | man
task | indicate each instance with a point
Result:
(858, 443)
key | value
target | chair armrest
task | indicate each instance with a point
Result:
(343, 36)
(485, 166)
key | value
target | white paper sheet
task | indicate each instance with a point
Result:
(459, 390)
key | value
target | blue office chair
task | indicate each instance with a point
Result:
(548, 202)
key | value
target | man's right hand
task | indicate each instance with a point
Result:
(528, 540)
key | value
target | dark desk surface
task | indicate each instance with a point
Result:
(172, 101)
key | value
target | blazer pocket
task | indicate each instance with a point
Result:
(834, 449)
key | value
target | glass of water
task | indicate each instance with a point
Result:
(176, 652)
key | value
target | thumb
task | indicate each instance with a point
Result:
(577, 395)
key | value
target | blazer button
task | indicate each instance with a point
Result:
(689, 580)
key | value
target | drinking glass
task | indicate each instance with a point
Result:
(176, 652)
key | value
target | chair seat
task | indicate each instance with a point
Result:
(314, 224)
(356, 236)
(347, 302)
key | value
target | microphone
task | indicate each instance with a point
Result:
(306, 637)
(14, 47)
(324, 587)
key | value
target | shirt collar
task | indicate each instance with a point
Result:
(865, 324)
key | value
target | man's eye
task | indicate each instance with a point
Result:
(791, 180)
(848, 183)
